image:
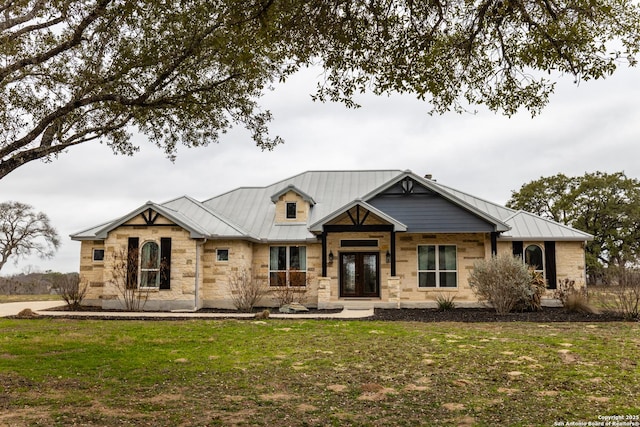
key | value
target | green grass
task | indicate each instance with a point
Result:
(89, 372)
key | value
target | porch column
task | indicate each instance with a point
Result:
(323, 236)
(393, 253)
(494, 243)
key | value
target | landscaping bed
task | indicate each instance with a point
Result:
(547, 314)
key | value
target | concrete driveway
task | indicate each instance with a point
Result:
(13, 308)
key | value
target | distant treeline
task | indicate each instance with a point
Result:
(32, 283)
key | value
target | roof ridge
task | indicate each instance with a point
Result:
(249, 187)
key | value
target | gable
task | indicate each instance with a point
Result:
(148, 217)
(423, 210)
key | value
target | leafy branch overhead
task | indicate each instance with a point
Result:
(75, 71)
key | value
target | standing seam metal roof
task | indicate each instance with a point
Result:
(249, 212)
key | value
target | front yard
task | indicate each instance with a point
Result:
(291, 373)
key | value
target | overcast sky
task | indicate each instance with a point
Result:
(593, 126)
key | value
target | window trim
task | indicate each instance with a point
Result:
(295, 210)
(93, 254)
(527, 245)
(437, 270)
(288, 269)
(218, 251)
(157, 270)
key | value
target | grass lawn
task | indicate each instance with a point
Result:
(316, 373)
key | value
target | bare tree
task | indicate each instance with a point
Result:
(24, 232)
(295, 290)
(124, 268)
(72, 290)
(246, 291)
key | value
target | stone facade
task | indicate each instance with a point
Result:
(199, 279)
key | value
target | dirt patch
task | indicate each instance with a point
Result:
(453, 406)
(337, 388)
(276, 396)
(374, 392)
(546, 315)
(304, 407)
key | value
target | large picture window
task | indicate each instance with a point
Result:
(150, 265)
(437, 266)
(288, 266)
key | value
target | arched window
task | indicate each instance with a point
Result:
(150, 265)
(534, 257)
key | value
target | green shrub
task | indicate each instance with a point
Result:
(504, 281)
(445, 302)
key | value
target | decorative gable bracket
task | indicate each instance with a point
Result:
(150, 216)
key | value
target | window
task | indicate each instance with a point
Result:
(437, 266)
(98, 254)
(534, 258)
(150, 265)
(288, 266)
(222, 255)
(291, 210)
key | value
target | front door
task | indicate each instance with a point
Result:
(359, 274)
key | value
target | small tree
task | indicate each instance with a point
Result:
(503, 281)
(246, 291)
(24, 232)
(124, 268)
(623, 294)
(72, 290)
(293, 291)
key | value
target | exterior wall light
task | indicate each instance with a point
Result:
(330, 257)
(388, 257)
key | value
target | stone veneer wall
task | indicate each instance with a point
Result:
(302, 208)
(217, 274)
(102, 290)
(570, 260)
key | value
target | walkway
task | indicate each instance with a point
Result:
(39, 307)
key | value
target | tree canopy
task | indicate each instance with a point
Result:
(185, 71)
(604, 205)
(24, 232)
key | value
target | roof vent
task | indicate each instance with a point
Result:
(428, 176)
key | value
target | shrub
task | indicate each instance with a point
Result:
(445, 302)
(623, 294)
(574, 299)
(246, 291)
(72, 290)
(294, 291)
(504, 281)
(537, 288)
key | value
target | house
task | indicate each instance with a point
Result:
(387, 237)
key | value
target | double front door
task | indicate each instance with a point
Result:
(359, 274)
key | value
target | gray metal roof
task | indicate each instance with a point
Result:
(527, 226)
(249, 212)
